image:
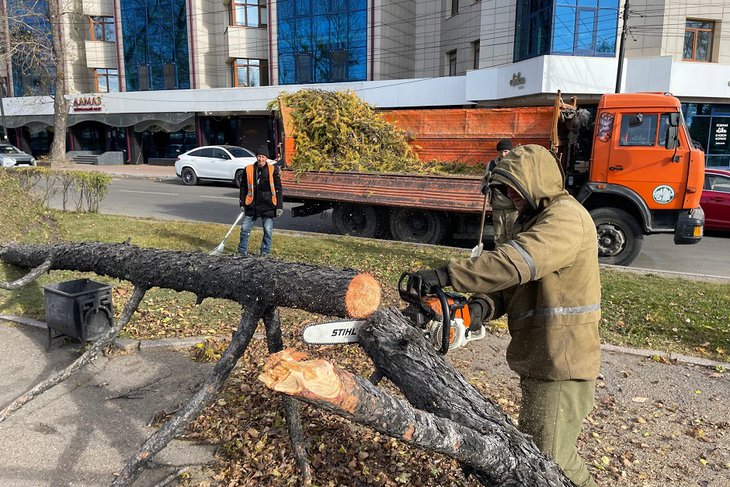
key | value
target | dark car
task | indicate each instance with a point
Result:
(716, 199)
(12, 156)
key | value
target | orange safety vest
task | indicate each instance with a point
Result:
(249, 180)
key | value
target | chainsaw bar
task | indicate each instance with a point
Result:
(333, 333)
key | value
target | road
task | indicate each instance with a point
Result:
(169, 199)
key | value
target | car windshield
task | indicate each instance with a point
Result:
(239, 151)
(8, 149)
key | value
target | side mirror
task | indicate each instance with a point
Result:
(672, 139)
(674, 119)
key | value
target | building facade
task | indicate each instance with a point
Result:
(238, 54)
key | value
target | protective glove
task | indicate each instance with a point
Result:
(480, 310)
(434, 278)
(484, 189)
(279, 212)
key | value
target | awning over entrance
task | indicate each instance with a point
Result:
(167, 122)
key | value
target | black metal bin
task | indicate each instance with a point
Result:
(80, 309)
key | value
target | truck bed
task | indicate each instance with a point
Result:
(428, 192)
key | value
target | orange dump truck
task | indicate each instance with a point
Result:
(629, 161)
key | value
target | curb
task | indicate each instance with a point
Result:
(130, 345)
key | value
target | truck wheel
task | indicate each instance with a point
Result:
(357, 220)
(411, 225)
(238, 178)
(619, 236)
(189, 178)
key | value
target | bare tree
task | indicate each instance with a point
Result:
(35, 49)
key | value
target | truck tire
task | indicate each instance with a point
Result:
(189, 178)
(357, 220)
(410, 225)
(619, 236)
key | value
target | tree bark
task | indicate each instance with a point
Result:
(28, 278)
(205, 395)
(404, 356)
(321, 384)
(291, 407)
(80, 362)
(326, 291)
(60, 103)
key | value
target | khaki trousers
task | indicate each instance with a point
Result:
(552, 412)
(504, 224)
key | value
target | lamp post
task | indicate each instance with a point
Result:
(4, 137)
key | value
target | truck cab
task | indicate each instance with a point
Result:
(644, 175)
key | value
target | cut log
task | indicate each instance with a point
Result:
(405, 357)
(275, 344)
(345, 293)
(325, 386)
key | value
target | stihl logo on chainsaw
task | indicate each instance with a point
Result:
(342, 332)
(443, 318)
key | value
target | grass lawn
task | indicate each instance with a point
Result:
(645, 311)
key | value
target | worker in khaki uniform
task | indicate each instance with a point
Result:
(504, 213)
(546, 280)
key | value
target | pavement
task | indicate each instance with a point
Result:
(84, 430)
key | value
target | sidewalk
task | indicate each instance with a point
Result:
(145, 171)
(84, 430)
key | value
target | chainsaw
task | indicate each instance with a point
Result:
(442, 316)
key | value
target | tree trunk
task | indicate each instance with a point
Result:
(404, 356)
(321, 384)
(60, 103)
(326, 291)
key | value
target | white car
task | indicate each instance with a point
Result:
(12, 156)
(214, 162)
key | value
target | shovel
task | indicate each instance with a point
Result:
(477, 251)
(219, 249)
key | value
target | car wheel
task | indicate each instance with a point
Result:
(189, 178)
(238, 178)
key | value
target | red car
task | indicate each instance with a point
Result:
(716, 199)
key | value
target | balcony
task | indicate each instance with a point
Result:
(247, 42)
(101, 54)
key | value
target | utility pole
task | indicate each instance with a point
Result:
(4, 137)
(622, 47)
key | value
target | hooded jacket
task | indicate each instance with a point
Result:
(546, 279)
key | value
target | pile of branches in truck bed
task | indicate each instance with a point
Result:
(337, 131)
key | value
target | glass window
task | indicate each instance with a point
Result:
(304, 68)
(638, 129)
(451, 60)
(698, 40)
(249, 13)
(564, 30)
(102, 29)
(585, 30)
(454, 7)
(322, 41)
(250, 72)
(239, 151)
(475, 48)
(155, 35)
(196, 153)
(220, 154)
(532, 28)
(716, 182)
(106, 80)
(584, 27)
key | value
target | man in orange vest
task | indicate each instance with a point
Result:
(260, 197)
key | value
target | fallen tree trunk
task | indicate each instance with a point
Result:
(326, 291)
(403, 355)
(321, 384)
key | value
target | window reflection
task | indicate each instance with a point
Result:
(322, 41)
(155, 44)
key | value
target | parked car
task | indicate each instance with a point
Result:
(214, 162)
(12, 156)
(716, 199)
